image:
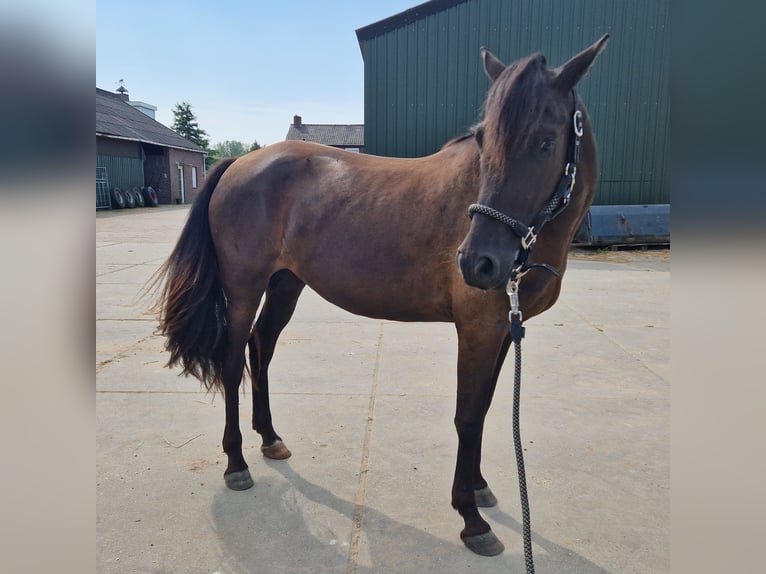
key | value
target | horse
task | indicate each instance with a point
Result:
(403, 239)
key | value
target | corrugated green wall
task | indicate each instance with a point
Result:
(122, 172)
(424, 82)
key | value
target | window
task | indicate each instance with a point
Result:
(194, 177)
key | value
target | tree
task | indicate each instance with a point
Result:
(212, 158)
(230, 148)
(185, 124)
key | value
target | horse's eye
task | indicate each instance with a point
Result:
(547, 145)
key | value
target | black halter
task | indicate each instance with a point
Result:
(555, 205)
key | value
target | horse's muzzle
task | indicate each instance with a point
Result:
(483, 270)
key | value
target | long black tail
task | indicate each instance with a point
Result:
(191, 303)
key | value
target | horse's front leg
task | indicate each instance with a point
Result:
(485, 498)
(479, 348)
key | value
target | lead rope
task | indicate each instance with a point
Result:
(517, 334)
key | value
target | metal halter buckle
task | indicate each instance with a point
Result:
(577, 122)
(570, 172)
(529, 239)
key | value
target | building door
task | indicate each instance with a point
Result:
(181, 183)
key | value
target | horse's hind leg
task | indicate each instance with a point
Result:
(281, 299)
(239, 315)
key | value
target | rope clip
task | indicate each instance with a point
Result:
(513, 293)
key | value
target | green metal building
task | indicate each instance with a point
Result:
(424, 82)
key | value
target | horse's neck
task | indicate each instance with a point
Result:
(459, 164)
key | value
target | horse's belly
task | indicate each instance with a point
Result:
(380, 298)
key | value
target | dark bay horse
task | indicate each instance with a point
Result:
(379, 237)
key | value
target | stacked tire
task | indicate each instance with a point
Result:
(130, 201)
(150, 197)
(118, 198)
(135, 197)
(138, 196)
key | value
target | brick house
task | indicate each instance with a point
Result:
(137, 151)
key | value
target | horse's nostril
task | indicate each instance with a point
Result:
(482, 271)
(485, 267)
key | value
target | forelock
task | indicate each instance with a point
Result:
(514, 107)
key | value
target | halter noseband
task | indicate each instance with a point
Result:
(555, 205)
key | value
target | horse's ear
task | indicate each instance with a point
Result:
(575, 69)
(492, 66)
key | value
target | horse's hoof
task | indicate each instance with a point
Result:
(240, 480)
(485, 544)
(485, 498)
(276, 451)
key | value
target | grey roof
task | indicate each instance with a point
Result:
(351, 135)
(115, 117)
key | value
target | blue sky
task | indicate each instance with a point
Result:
(245, 67)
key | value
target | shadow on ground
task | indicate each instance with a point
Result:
(260, 529)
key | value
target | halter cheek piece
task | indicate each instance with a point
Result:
(555, 205)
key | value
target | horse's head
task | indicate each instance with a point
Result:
(524, 140)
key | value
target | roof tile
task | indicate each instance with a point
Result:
(351, 135)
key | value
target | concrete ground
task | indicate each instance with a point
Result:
(366, 407)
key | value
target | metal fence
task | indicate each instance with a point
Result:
(103, 200)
